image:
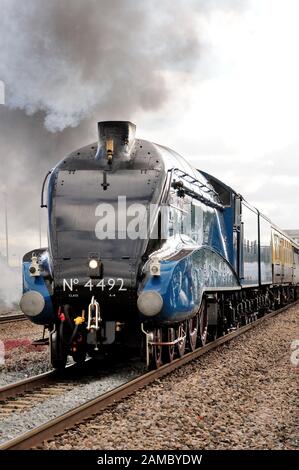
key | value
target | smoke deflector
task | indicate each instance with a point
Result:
(115, 140)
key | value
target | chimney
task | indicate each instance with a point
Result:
(115, 140)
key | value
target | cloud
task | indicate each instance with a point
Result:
(240, 113)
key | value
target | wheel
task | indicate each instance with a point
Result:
(58, 354)
(169, 351)
(156, 350)
(203, 323)
(181, 332)
(193, 332)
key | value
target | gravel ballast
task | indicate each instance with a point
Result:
(22, 359)
(244, 395)
(82, 390)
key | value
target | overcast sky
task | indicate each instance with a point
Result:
(217, 81)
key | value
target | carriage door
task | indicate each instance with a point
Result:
(276, 259)
(282, 259)
(238, 237)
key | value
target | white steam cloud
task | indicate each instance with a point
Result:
(10, 287)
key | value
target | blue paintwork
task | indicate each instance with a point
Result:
(38, 284)
(228, 222)
(182, 282)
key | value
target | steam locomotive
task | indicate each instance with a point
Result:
(147, 251)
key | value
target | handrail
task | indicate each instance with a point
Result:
(201, 187)
(43, 188)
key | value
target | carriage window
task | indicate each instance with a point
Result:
(276, 247)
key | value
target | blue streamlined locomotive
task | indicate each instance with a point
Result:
(146, 250)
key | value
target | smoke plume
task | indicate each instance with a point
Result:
(70, 58)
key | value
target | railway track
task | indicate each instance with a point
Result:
(44, 381)
(25, 386)
(12, 317)
(24, 394)
(58, 425)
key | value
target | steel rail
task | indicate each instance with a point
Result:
(12, 318)
(26, 385)
(21, 387)
(67, 420)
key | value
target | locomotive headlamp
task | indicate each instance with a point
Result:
(94, 266)
(150, 303)
(93, 263)
(155, 268)
(34, 268)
